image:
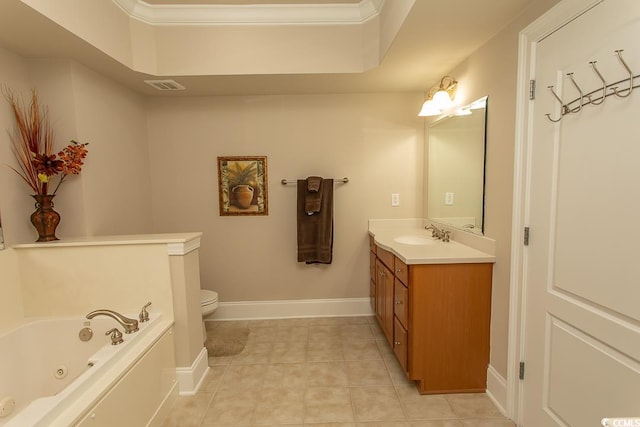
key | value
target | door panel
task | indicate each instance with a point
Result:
(582, 316)
(613, 372)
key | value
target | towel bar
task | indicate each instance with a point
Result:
(341, 181)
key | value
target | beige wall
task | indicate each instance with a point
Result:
(111, 195)
(15, 203)
(12, 74)
(492, 70)
(116, 179)
(374, 139)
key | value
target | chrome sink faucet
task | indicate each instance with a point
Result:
(444, 235)
(435, 231)
(129, 325)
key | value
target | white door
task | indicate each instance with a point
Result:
(582, 265)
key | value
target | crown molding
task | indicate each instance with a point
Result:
(257, 14)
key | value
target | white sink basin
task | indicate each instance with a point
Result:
(411, 239)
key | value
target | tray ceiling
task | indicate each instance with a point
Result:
(434, 37)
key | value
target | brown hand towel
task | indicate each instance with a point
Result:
(313, 195)
(314, 183)
(315, 231)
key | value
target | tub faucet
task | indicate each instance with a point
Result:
(129, 325)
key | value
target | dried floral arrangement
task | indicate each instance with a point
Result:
(32, 144)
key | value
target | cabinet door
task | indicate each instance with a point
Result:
(400, 343)
(384, 299)
(372, 266)
(372, 280)
(372, 294)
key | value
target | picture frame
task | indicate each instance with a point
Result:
(242, 185)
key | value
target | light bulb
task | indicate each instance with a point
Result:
(429, 109)
(441, 99)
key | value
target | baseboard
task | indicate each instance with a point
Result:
(189, 379)
(497, 389)
(244, 310)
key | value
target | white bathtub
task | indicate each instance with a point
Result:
(35, 355)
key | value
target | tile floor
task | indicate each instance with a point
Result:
(322, 372)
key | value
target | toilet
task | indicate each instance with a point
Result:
(208, 305)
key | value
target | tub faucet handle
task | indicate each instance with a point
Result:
(144, 315)
(116, 336)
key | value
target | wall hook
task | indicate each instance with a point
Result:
(630, 88)
(597, 96)
(579, 107)
(564, 109)
(604, 84)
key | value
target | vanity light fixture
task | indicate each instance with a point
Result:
(440, 97)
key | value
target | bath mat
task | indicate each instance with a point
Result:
(225, 340)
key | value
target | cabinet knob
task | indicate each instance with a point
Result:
(398, 302)
(398, 270)
(397, 343)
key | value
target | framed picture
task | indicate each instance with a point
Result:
(242, 185)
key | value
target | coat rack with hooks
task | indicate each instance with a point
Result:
(607, 89)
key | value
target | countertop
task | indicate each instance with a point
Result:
(177, 243)
(436, 252)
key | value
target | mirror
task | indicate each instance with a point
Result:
(455, 169)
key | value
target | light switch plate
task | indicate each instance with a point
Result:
(395, 199)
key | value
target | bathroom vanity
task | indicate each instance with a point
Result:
(433, 302)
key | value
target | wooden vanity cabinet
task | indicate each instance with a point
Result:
(436, 318)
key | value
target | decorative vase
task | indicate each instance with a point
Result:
(45, 219)
(243, 195)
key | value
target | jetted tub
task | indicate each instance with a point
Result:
(55, 378)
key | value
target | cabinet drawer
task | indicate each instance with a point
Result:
(386, 257)
(400, 343)
(401, 303)
(401, 271)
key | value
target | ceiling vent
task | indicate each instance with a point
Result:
(165, 84)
